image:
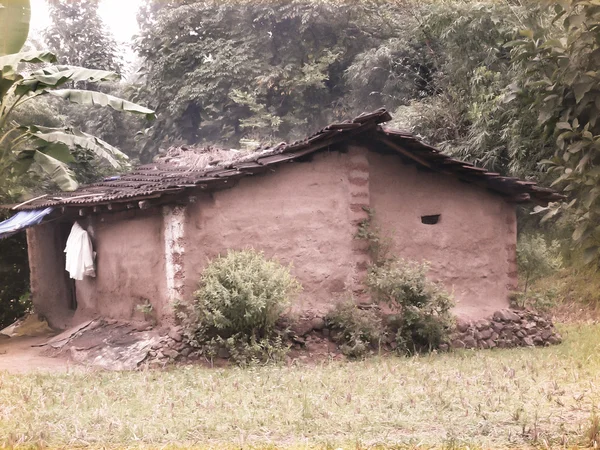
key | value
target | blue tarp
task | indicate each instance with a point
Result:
(22, 220)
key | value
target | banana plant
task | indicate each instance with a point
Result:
(14, 23)
(52, 149)
(47, 150)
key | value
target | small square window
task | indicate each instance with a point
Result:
(430, 220)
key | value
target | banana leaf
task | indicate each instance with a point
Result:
(83, 97)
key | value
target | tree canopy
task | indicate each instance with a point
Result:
(78, 37)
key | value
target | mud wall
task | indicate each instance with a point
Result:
(299, 213)
(305, 214)
(129, 266)
(49, 285)
(471, 249)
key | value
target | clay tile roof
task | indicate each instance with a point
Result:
(183, 168)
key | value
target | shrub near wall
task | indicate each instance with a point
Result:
(238, 302)
(422, 319)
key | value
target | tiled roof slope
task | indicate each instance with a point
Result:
(169, 176)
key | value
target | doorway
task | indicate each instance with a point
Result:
(64, 229)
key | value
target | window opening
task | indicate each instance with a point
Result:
(430, 220)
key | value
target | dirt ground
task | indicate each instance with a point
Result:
(18, 356)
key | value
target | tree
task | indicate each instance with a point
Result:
(448, 78)
(78, 36)
(222, 71)
(562, 84)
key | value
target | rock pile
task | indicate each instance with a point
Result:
(171, 348)
(506, 328)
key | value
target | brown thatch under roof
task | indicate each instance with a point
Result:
(182, 169)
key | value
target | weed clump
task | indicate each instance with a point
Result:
(421, 319)
(356, 330)
(238, 302)
(593, 432)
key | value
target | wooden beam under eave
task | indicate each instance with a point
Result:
(405, 152)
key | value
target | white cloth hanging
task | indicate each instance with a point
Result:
(79, 254)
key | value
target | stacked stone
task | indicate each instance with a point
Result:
(506, 328)
(171, 348)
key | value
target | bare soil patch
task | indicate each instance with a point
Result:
(18, 355)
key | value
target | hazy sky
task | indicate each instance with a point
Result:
(118, 15)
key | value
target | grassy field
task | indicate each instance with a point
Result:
(501, 398)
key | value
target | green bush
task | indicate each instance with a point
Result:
(537, 258)
(240, 298)
(358, 330)
(423, 321)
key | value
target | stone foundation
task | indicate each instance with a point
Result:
(171, 348)
(506, 328)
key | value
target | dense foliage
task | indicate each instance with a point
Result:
(471, 111)
(561, 80)
(444, 67)
(220, 71)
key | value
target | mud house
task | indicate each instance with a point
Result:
(154, 229)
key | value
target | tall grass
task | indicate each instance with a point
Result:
(573, 294)
(497, 398)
